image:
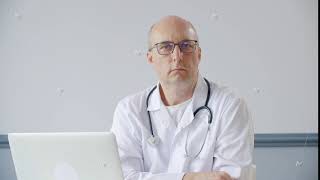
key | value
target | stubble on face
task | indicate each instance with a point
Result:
(177, 68)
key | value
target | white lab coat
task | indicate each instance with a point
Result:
(228, 146)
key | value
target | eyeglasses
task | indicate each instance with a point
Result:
(167, 47)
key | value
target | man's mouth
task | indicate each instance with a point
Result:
(178, 69)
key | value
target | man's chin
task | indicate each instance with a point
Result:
(177, 79)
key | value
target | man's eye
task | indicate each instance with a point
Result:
(165, 47)
(186, 45)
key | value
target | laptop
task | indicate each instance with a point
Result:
(65, 156)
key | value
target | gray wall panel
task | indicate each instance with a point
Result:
(7, 171)
(280, 163)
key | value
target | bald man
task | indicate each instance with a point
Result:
(184, 127)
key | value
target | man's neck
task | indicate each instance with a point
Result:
(173, 94)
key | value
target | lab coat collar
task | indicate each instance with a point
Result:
(198, 99)
(155, 99)
(199, 94)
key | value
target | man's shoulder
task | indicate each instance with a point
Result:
(223, 93)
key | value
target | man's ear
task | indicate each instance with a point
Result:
(149, 57)
(199, 54)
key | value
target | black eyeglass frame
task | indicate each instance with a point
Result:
(174, 46)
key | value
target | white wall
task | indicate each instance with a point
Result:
(91, 49)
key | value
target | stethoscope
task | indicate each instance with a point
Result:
(154, 140)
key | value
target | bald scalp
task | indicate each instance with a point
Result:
(169, 21)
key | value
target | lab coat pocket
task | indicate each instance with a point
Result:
(200, 145)
(153, 156)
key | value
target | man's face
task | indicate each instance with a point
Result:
(178, 67)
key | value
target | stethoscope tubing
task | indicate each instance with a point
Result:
(195, 112)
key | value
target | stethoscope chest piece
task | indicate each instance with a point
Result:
(153, 140)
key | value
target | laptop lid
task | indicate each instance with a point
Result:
(65, 156)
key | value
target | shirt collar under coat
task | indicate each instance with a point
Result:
(198, 100)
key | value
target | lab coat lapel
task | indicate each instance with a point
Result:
(161, 120)
(155, 100)
(198, 100)
(178, 161)
(186, 119)
(200, 94)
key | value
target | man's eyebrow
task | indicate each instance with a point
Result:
(187, 40)
(164, 42)
(177, 42)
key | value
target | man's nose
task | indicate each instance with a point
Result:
(176, 54)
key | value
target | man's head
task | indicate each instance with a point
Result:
(180, 66)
